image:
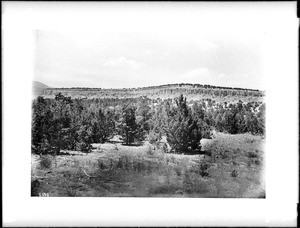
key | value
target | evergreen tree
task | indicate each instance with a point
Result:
(129, 129)
(261, 119)
(102, 125)
(41, 121)
(143, 114)
(84, 138)
(51, 124)
(182, 129)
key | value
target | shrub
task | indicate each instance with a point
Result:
(257, 162)
(111, 164)
(123, 163)
(45, 162)
(85, 139)
(249, 163)
(252, 155)
(203, 171)
(193, 185)
(101, 165)
(234, 173)
(224, 154)
(138, 165)
(178, 170)
(84, 147)
(71, 192)
(173, 159)
(165, 189)
(35, 186)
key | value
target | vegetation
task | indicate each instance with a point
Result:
(182, 129)
(139, 146)
(130, 130)
(191, 91)
(133, 171)
(63, 123)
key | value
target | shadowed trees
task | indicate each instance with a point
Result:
(63, 123)
(129, 129)
(182, 129)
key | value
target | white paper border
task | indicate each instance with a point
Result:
(279, 24)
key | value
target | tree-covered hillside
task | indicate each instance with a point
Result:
(191, 91)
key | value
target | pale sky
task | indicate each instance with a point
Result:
(119, 46)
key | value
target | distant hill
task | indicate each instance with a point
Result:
(38, 87)
(191, 91)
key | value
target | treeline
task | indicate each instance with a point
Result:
(73, 124)
(134, 93)
(163, 86)
(234, 118)
(197, 86)
(63, 123)
(163, 89)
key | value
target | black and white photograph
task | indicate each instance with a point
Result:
(137, 115)
(152, 101)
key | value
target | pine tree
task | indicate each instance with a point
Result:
(102, 126)
(143, 114)
(129, 129)
(84, 138)
(182, 129)
(51, 124)
(41, 120)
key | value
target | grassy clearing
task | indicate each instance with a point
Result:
(235, 169)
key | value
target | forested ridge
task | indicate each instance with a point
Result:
(191, 91)
(169, 85)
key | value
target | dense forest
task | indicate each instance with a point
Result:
(65, 123)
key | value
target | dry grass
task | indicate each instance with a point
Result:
(233, 170)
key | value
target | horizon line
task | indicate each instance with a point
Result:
(141, 87)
